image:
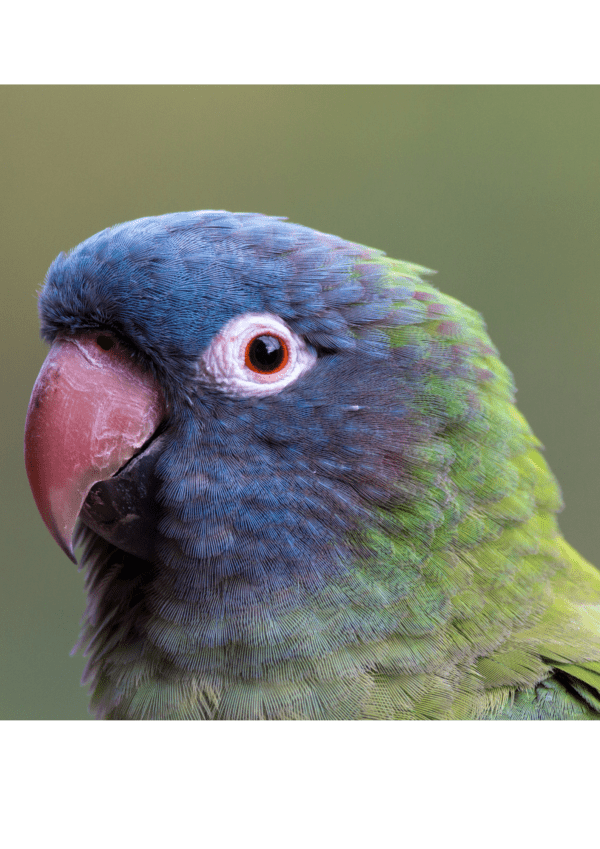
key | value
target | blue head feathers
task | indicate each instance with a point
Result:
(167, 284)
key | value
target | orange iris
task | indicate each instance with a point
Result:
(266, 353)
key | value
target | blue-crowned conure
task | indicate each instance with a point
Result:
(301, 484)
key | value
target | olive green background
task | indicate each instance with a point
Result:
(495, 187)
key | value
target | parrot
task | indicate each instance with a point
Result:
(300, 486)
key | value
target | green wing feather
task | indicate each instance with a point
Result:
(523, 637)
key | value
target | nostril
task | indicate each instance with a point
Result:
(105, 342)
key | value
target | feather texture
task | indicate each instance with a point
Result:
(376, 541)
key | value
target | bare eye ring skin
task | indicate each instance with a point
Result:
(255, 354)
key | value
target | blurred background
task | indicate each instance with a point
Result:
(495, 187)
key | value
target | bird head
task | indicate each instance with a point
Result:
(230, 367)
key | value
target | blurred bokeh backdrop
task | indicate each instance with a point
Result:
(498, 188)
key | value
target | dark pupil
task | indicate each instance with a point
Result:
(266, 353)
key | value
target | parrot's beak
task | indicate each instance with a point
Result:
(92, 408)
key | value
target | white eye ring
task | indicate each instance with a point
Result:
(227, 363)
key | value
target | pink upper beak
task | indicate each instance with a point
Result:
(91, 409)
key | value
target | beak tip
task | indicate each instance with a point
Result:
(69, 552)
(64, 541)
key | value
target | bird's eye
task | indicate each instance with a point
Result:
(255, 354)
(266, 354)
